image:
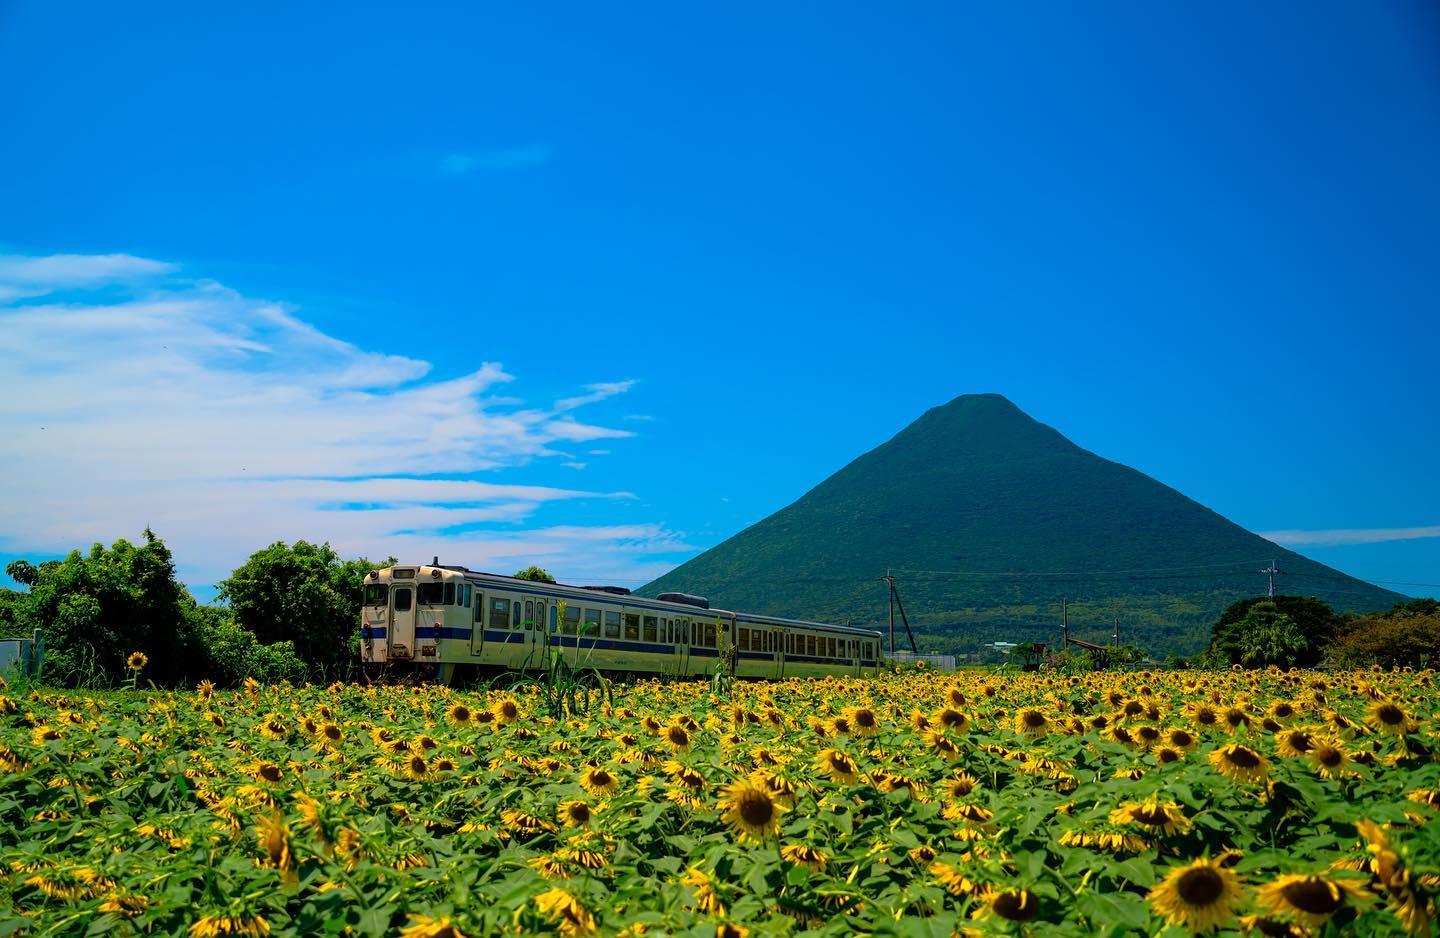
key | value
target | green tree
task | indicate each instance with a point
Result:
(1409, 635)
(1299, 641)
(305, 594)
(95, 609)
(533, 572)
(1268, 636)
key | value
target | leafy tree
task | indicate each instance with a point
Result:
(1409, 634)
(95, 609)
(1268, 636)
(533, 572)
(305, 594)
(234, 653)
(1292, 631)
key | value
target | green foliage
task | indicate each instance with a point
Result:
(1408, 635)
(234, 653)
(538, 574)
(1290, 631)
(95, 609)
(305, 594)
(978, 487)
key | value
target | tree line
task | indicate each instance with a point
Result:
(291, 612)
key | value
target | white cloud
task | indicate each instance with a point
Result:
(1336, 537)
(225, 422)
(22, 276)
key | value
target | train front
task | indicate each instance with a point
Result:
(403, 613)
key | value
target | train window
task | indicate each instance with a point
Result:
(572, 620)
(592, 622)
(831, 645)
(376, 594)
(449, 599)
(529, 619)
(810, 645)
(402, 599)
(554, 619)
(430, 594)
(651, 629)
(632, 626)
(869, 650)
(515, 612)
(709, 635)
(744, 641)
(479, 606)
(462, 595)
(499, 613)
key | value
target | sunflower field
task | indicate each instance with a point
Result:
(1264, 802)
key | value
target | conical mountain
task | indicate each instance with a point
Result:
(988, 519)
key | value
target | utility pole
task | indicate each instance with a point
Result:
(1065, 622)
(1117, 631)
(895, 602)
(1272, 571)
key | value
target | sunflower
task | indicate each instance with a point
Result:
(1413, 909)
(216, 926)
(1147, 734)
(955, 880)
(1295, 743)
(416, 766)
(838, 726)
(942, 744)
(1031, 723)
(731, 930)
(331, 736)
(1389, 717)
(137, 661)
(707, 898)
(1200, 897)
(863, 721)
(1167, 754)
(1240, 763)
(1329, 758)
(425, 927)
(951, 719)
(805, 855)
(1154, 816)
(1181, 738)
(676, 737)
(1309, 900)
(574, 813)
(599, 781)
(1014, 905)
(273, 838)
(959, 785)
(267, 772)
(1235, 718)
(1282, 711)
(564, 911)
(273, 727)
(506, 710)
(750, 811)
(458, 714)
(838, 766)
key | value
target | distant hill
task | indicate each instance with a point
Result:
(987, 519)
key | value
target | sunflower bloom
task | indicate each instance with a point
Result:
(750, 811)
(1240, 763)
(565, 912)
(425, 927)
(838, 766)
(137, 661)
(1309, 900)
(599, 781)
(1154, 817)
(1200, 897)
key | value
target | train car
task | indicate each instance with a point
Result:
(442, 621)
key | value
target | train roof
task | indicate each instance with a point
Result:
(605, 595)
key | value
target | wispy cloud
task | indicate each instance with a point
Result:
(1337, 537)
(226, 422)
(495, 160)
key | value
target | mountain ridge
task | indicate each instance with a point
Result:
(999, 517)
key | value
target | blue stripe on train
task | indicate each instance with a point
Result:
(369, 633)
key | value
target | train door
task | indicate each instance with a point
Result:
(477, 628)
(401, 636)
(682, 644)
(777, 652)
(534, 635)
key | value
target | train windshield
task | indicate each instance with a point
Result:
(376, 594)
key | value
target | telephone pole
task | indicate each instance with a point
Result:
(1065, 623)
(1272, 571)
(1117, 631)
(894, 603)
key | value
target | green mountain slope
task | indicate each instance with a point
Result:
(987, 519)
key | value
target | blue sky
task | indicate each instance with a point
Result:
(598, 286)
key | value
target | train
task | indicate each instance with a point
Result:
(444, 622)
